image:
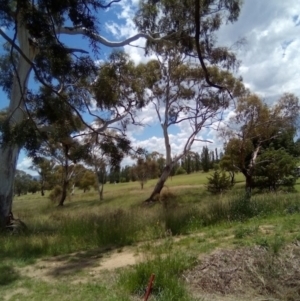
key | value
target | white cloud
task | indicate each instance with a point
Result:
(25, 165)
(271, 57)
(269, 61)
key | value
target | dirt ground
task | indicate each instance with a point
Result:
(93, 263)
(252, 273)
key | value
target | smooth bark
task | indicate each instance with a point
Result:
(9, 153)
(160, 184)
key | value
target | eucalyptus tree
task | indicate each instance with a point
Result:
(190, 26)
(145, 168)
(87, 180)
(106, 150)
(256, 127)
(65, 154)
(22, 182)
(44, 168)
(179, 93)
(35, 33)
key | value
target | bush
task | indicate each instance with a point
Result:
(218, 182)
(180, 171)
(55, 194)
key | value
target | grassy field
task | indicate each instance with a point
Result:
(92, 250)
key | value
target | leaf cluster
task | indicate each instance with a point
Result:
(174, 22)
(119, 83)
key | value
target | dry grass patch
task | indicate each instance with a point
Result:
(254, 271)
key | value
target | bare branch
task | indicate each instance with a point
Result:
(102, 40)
(109, 4)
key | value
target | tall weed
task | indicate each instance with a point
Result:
(167, 268)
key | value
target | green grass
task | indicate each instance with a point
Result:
(167, 264)
(188, 223)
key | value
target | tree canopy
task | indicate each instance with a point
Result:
(257, 127)
(72, 82)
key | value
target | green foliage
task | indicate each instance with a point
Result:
(25, 183)
(34, 186)
(275, 168)
(144, 169)
(167, 267)
(45, 169)
(180, 171)
(266, 132)
(6, 69)
(205, 159)
(117, 82)
(218, 182)
(55, 194)
(178, 16)
(87, 179)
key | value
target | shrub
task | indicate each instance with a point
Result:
(180, 171)
(55, 194)
(218, 182)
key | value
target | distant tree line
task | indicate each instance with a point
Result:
(84, 177)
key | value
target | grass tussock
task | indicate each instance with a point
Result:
(167, 265)
(55, 231)
(8, 275)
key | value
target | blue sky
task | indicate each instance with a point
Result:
(270, 61)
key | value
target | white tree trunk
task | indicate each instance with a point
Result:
(9, 154)
(73, 189)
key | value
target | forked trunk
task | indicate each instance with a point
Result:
(160, 184)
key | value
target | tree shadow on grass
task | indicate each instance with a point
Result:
(70, 264)
(8, 275)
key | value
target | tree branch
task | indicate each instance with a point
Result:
(110, 3)
(197, 40)
(100, 39)
(71, 50)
